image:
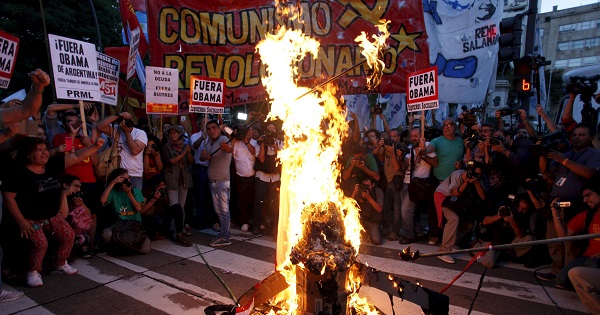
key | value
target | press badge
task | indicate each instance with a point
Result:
(561, 181)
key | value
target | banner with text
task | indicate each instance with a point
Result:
(133, 50)
(108, 76)
(161, 90)
(206, 95)
(463, 43)
(75, 69)
(422, 90)
(9, 46)
(217, 39)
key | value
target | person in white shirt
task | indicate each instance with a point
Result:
(245, 150)
(131, 141)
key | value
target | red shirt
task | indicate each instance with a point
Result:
(577, 224)
(84, 170)
(152, 169)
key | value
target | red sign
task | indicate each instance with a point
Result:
(217, 39)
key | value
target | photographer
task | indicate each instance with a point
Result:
(360, 165)
(267, 180)
(573, 169)
(153, 164)
(456, 198)
(518, 163)
(370, 202)
(392, 169)
(158, 213)
(132, 142)
(79, 215)
(585, 222)
(509, 224)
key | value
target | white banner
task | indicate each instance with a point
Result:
(207, 95)
(133, 50)
(75, 69)
(108, 76)
(161, 90)
(463, 44)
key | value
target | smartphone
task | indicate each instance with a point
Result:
(69, 144)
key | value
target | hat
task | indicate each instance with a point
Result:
(177, 128)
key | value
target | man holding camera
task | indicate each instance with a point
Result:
(509, 225)
(573, 169)
(370, 203)
(360, 165)
(132, 142)
(584, 222)
(392, 169)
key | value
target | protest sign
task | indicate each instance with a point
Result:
(75, 69)
(133, 50)
(161, 90)
(422, 90)
(206, 95)
(9, 45)
(108, 76)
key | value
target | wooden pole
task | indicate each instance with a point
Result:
(423, 124)
(82, 114)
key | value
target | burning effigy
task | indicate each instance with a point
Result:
(319, 230)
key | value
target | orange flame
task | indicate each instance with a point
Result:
(314, 127)
(373, 53)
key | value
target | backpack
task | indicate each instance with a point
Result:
(109, 159)
(130, 236)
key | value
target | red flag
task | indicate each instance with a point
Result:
(128, 15)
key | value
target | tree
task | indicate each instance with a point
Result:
(68, 18)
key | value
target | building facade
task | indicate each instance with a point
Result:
(571, 37)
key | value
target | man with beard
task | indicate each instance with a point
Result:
(573, 169)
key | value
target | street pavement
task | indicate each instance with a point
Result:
(175, 280)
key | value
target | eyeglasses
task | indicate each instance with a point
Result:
(486, 130)
(449, 125)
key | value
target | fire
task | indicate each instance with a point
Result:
(314, 127)
(373, 52)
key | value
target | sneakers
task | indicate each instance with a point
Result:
(86, 253)
(7, 296)
(547, 276)
(187, 230)
(218, 242)
(245, 227)
(64, 270)
(34, 279)
(392, 236)
(433, 240)
(446, 259)
(181, 240)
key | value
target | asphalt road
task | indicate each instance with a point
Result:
(175, 280)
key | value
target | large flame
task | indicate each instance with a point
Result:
(314, 127)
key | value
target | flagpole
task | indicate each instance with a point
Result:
(99, 38)
(47, 47)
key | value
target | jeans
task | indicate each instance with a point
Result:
(203, 204)
(408, 213)
(220, 196)
(136, 182)
(265, 198)
(392, 216)
(373, 230)
(562, 278)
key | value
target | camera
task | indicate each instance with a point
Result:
(586, 86)
(470, 167)
(236, 131)
(536, 184)
(506, 211)
(126, 182)
(561, 204)
(403, 148)
(473, 138)
(363, 187)
(388, 141)
(469, 116)
(359, 159)
(162, 191)
(553, 141)
(377, 109)
(155, 147)
(505, 111)
(128, 122)
(496, 140)
(78, 194)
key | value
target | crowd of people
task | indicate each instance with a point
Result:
(87, 180)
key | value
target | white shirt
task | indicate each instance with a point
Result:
(244, 159)
(197, 153)
(134, 164)
(422, 169)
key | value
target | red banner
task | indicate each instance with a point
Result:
(217, 39)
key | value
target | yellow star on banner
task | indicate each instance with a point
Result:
(406, 40)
